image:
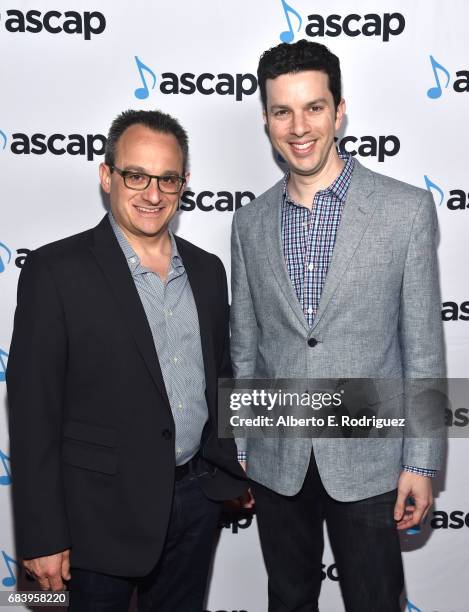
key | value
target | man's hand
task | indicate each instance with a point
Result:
(420, 489)
(247, 500)
(51, 571)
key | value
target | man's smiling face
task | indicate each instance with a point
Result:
(302, 120)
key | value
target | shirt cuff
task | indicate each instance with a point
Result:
(420, 471)
(242, 456)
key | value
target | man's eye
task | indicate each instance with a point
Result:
(135, 177)
(170, 179)
(316, 109)
(281, 113)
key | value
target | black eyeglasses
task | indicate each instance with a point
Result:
(139, 181)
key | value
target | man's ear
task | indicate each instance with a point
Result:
(340, 114)
(105, 177)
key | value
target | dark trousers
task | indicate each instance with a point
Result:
(178, 582)
(363, 538)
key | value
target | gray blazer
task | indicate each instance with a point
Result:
(379, 317)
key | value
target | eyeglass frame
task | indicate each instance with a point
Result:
(125, 173)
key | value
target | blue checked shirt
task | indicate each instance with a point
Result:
(172, 317)
(308, 238)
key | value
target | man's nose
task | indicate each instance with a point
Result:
(299, 125)
(152, 193)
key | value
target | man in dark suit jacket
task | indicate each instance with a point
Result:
(120, 334)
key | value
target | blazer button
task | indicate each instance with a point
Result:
(167, 435)
(312, 342)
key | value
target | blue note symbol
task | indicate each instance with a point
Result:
(5, 479)
(435, 92)
(10, 580)
(142, 92)
(3, 365)
(287, 36)
(431, 186)
(3, 247)
(413, 530)
(412, 608)
(3, 136)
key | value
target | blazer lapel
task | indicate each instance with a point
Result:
(112, 262)
(356, 216)
(272, 222)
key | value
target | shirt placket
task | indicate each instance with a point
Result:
(307, 296)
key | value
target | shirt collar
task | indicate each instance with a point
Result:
(340, 185)
(133, 260)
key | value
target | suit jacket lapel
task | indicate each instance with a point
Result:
(272, 221)
(112, 262)
(356, 215)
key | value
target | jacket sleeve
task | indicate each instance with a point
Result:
(242, 320)
(36, 372)
(422, 344)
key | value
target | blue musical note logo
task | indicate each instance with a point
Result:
(5, 479)
(433, 187)
(288, 35)
(413, 530)
(3, 364)
(6, 250)
(3, 136)
(143, 92)
(436, 91)
(412, 608)
(10, 579)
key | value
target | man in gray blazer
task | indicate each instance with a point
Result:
(334, 274)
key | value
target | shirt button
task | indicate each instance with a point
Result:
(170, 313)
(311, 267)
(133, 259)
(175, 359)
(180, 406)
(179, 451)
(310, 310)
(305, 224)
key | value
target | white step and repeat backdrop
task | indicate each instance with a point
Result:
(68, 68)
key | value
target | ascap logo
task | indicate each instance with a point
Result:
(457, 519)
(458, 200)
(329, 572)
(460, 83)
(382, 26)
(54, 22)
(370, 146)
(87, 145)
(457, 418)
(221, 201)
(236, 523)
(3, 364)
(6, 256)
(452, 311)
(188, 83)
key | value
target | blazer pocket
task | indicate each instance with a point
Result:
(90, 447)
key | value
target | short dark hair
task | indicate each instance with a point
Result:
(153, 119)
(297, 57)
